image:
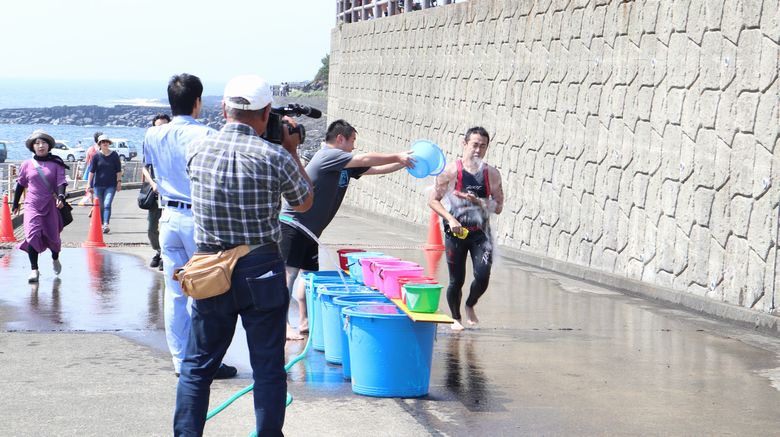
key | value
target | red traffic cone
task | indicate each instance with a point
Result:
(434, 233)
(95, 237)
(6, 225)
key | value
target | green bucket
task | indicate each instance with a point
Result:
(422, 298)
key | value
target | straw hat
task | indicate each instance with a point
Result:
(39, 135)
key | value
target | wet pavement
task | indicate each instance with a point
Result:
(552, 356)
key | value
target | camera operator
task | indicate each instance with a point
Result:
(237, 181)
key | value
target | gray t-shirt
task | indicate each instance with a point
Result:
(330, 180)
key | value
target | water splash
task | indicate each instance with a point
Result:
(475, 214)
(296, 224)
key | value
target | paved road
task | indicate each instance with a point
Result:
(85, 355)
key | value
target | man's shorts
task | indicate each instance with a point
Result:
(298, 249)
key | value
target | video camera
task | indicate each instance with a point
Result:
(273, 132)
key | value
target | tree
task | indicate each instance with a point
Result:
(322, 74)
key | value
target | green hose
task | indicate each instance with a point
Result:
(250, 387)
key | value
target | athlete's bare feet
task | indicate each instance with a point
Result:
(303, 326)
(471, 317)
(456, 326)
(292, 334)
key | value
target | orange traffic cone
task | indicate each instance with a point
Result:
(95, 237)
(434, 233)
(432, 258)
(6, 225)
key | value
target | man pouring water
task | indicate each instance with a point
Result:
(473, 190)
(330, 169)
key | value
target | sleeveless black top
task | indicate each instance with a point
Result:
(470, 216)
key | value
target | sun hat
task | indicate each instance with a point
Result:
(254, 89)
(104, 137)
(39, 134)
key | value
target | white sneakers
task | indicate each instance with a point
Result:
(35, 274)
(106, 229)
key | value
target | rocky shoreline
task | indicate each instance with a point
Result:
(139, 116)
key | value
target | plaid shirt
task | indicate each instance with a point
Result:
(237, 181)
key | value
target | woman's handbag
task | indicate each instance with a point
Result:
(208, 274)
(66, 211)
(147, 198)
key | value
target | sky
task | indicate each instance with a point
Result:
(282, 41)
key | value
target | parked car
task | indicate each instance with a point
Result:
(124, 148)
(68, 153)
(3, 150)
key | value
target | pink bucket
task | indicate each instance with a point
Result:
(375, 266)
(388, 279)
(365, 266)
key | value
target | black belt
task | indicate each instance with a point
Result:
(214, 248)
(175, 204)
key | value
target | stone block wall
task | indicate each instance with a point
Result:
(635, 138)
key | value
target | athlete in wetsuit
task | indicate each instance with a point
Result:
(474, 191)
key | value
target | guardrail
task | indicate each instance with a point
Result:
(131, 173)
(350, 11)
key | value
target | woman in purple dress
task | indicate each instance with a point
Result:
(41, 176)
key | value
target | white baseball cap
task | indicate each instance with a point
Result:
(250, 87)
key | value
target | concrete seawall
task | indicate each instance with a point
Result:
(637, 140)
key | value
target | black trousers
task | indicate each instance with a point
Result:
(33, 256)
(479, 246)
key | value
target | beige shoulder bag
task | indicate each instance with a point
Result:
(208, 274)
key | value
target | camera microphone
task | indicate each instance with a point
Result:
(298, 110)
(306, 110)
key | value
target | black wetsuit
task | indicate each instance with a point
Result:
(477, 243)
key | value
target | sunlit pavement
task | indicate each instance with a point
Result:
(84, 354)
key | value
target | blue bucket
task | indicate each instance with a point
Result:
(389, 353)
(313, 280)
(428, 159)
(331, 317)
(348, 301)
(353, 263)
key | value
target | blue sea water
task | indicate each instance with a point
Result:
(41, 93)
(17, 133)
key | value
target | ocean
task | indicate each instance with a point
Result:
(40, 93)
(17, 133)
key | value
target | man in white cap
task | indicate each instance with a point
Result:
(238, 180)
(165, 149)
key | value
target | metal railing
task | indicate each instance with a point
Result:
(131, 173)
(350, 11)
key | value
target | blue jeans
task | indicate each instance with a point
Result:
(106, 196)
(259, 295)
